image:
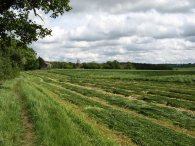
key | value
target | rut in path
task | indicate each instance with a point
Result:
(28, 135)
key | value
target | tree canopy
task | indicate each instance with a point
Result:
(15, 57)
(17, 30)
(16, 24)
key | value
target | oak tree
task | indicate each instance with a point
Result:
(15, 22)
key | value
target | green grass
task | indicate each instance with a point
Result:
(163, 76)
(164, 95)
(170, 102)
(187, 120)
(140, 130)
(11, 130)
(99, 107)
(56, 125)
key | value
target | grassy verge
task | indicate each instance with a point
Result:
(11, 130)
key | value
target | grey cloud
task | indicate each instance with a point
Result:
(118, 6)
(151, 24)
(138, 30)
(189, 30)
(191, 38)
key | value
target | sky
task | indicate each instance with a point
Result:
(144, 31)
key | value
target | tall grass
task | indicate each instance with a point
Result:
(54, 124)
(11, 130)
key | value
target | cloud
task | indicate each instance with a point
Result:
(159, 31)
(118, 6)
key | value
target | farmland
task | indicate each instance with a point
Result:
(98, 107)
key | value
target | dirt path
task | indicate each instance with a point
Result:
(28, 135)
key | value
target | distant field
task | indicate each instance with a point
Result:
(190, 68)
(98, 107)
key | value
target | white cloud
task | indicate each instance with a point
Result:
(158, 31)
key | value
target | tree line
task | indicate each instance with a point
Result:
(109, 65)
(16, 56)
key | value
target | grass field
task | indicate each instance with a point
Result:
(98, 107)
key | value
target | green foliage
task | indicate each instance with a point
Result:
(60, 65)
(15, 56)
(91, 65)
(128, 65)
(41, 63)
(145, 66)
(15, 21)
(110, 65)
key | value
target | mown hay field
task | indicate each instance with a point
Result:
(98, 107)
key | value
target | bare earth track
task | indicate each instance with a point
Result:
(28, 136)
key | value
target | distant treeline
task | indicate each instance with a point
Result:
(110, 65)
(189, 65)
(145, 66)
